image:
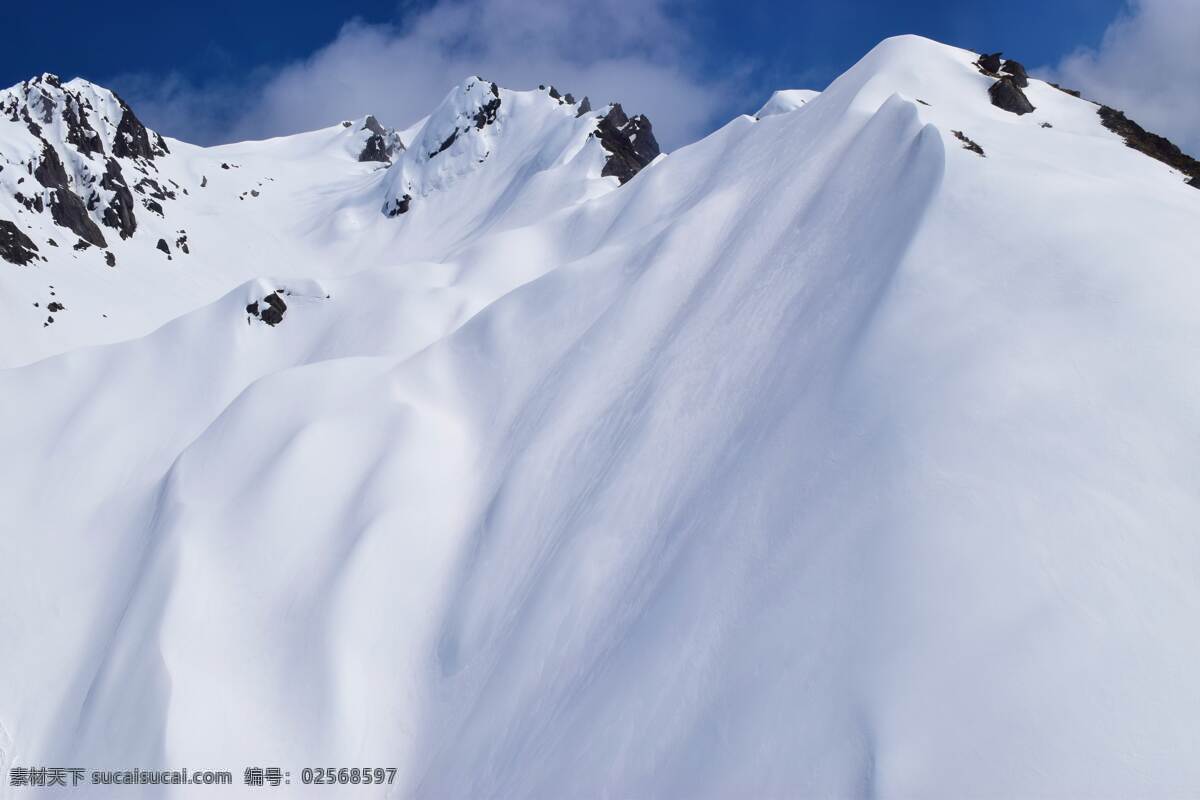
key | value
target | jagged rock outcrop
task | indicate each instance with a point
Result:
(15, 246)
(630, 142)
(133, 140)
(990, 62)
(1006, 94)
(66, 209)
(118, 213)
(92, 155)
(382, 144)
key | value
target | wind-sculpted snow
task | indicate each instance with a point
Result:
(822, 459)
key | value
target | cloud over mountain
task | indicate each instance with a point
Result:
(604, 49)
(1147, 64)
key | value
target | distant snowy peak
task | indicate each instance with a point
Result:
(87, 154)
(472, 105)
(478, 118)
(88, 118)
(786, 100)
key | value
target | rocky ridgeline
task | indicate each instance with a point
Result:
(630, 142)
(1157, 147)
(84, 159)
(476, 105)
(1007, 93)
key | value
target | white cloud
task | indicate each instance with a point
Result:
(1148, 65)
(608, 49)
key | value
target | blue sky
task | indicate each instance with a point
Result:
(223, 70)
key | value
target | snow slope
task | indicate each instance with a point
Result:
(825, 458)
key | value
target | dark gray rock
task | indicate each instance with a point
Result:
(15, 246)
(50, 171)
(1151, 144)
(154, 189)
(486, 114)
(375, 150)
(398, 207)
(270, 311)
(273, 313)
(119, 213)
(133, 140)
(371, 124)
(990, 62)
(109, 258)
(381, 145)
(66, 209)
(630, 143)
(968, 143)
(1007, 95)
(162, 245)
(80, 133)
(1017, 70)
(585, 106)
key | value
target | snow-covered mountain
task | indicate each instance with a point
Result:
(850, 451)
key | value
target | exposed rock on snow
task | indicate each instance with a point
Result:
(1006, 94)
(968, 144)
(382, 144)
(15, 246)
(990, 63)
(630, 142)
(270, 309)
(133, 140)
(1017, 70)
(399, 206)
(119, 212)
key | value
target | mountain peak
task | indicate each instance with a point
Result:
(478, 122)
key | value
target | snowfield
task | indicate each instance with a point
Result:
(824, 458)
